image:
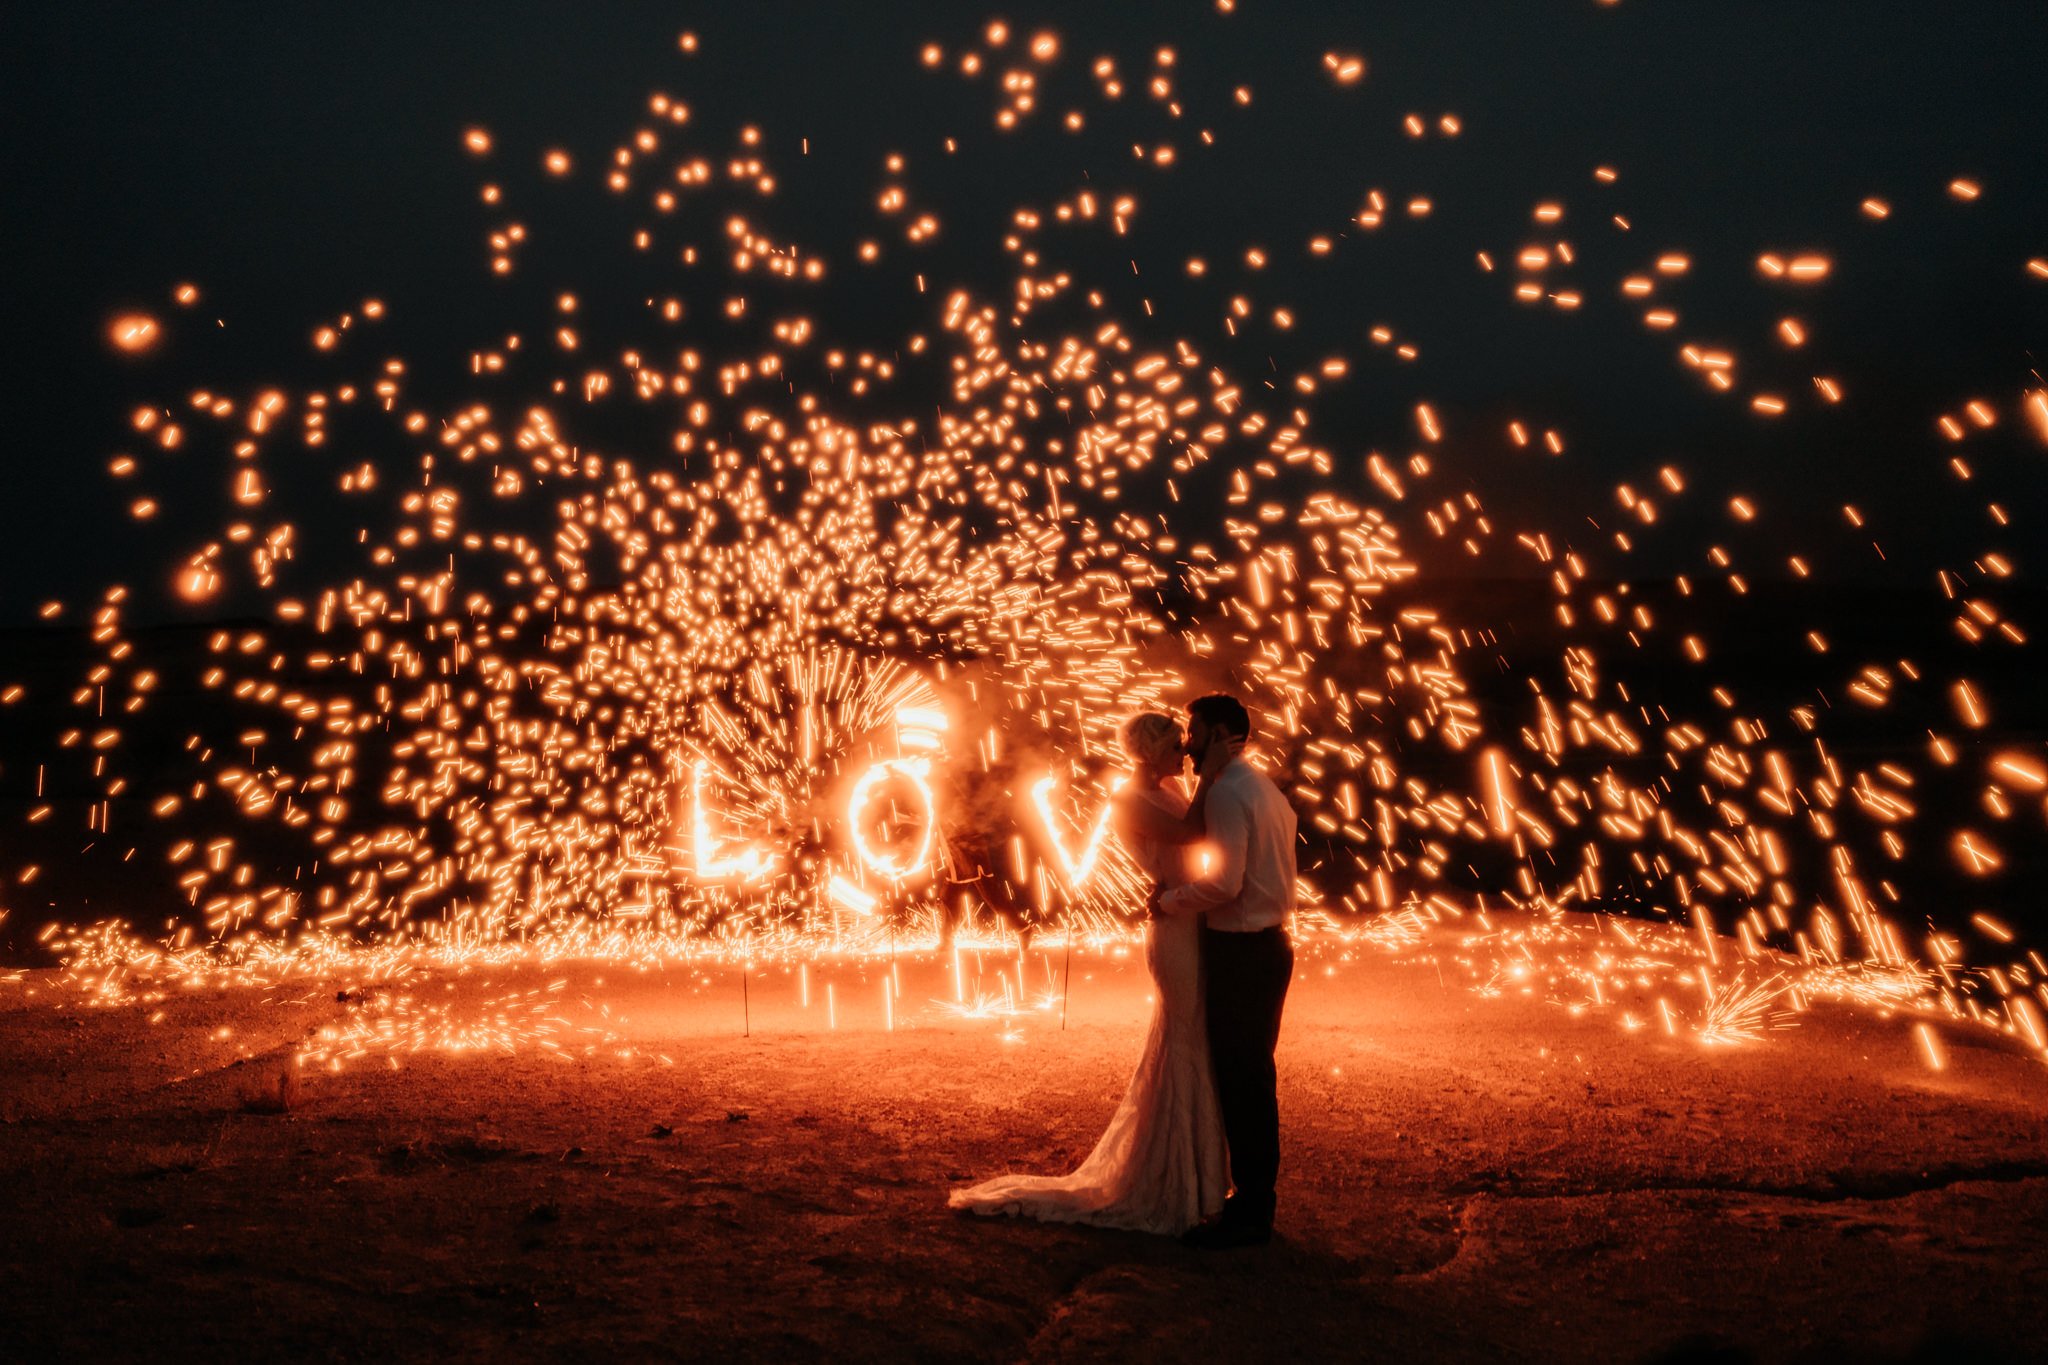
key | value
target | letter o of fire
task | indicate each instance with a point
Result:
(917, 771)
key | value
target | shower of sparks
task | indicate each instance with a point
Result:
(1740, 1013)
(706, 633)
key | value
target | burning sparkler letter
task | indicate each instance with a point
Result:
(748, 864)
(920, 727)
(917, 771)
(1075, 870)
(845, 894)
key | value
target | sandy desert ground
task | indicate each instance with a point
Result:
(1465, 1177)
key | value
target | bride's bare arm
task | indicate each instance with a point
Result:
(1138, 818)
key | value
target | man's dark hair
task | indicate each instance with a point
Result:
(1221, 711)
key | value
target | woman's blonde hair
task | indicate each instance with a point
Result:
(1151, 737)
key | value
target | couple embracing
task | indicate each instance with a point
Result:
(1199, 1119)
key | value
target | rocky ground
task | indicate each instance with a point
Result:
(1465, 1178)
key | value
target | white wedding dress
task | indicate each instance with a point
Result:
(1162, 1164)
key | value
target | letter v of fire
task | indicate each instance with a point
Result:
(1074, 869)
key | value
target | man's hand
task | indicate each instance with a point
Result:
(1152, 910)
(1219, 753)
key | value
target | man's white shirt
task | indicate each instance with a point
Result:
(1249, 882)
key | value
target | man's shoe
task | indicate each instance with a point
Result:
(1223, 1235)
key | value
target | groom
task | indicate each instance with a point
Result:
(1245, 897)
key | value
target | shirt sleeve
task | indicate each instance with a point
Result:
(1229, 821)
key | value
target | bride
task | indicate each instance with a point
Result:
(1161, 1165)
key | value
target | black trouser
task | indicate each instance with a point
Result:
(1247, 988)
